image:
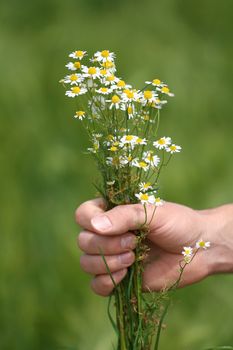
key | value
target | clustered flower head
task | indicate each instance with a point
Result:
(122, 123)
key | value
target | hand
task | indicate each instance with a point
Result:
(172, 227)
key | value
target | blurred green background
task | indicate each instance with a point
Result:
(45, 299)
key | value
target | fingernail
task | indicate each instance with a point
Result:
(126, 259)
(128, 242)
(101, 223)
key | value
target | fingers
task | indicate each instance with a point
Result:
(95, 265)
(103, 285)
(118, 220)
(92, 243)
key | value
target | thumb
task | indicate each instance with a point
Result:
(120, 219)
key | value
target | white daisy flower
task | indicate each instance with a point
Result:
(158, 202)
(76, 91)
(130, 95)
(187, 251)
(145, 198)
(115, 102)
(78, 54)
(73, 65)
(155, 82)
(80, 115)
(162, 143)
(109, 66)
(151, 159)
(128, 140)
(121, 84)
(142, 165)
(104, 91)
(91, 72)
(145, 186)
(104, 56)
(148, 97)
(202, 244)
(110, 79)
(73, 79)
(140, 141)
(165, 90)
(173, 149)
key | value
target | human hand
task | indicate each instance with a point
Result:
(172, 227)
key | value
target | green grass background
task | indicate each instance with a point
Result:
(45, 300)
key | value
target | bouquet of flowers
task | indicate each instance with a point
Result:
(123, 127)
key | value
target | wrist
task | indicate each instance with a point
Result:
(218, 229)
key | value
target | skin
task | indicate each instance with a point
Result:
(172, 227)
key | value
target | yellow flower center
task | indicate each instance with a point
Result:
(156, 82)
(173, 148)
(80, 113)
(111, 77)
(129, 138)
(157, 101)
(129, 94)
(148, 95)
(129, 158)
(103, 72)
(92, 70)
(113, 149)
(139, 140)
(79, 53)
(146, 185)
(121, 83)
(146, 117)
(103, 89)
(142, 164)
(161, 142)
(108, 64)
(130, 110)
(105, 53)
(73, 77)
(76, 90)
(77, 64)
(157, 200)
(115, 99)
(150, 157)
(165, 89)
(202, 244)
(144, 197)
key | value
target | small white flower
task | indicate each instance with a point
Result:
(158, 202)
(73, 65)
(155, 82)
(76, 91)
(104, 91)
(151, 159)
(110, 79)
(73, 79)
(162, 143)
(142, 165)
(145, 186)
(187, 251)
(145, 198)
(148, 97)
(80, 115)
(140, 141)
(115, 102)
(130, 95)
(173, 149)
(78, 54)
(104, 56)
(110, 183)
(165, 90)
(91, 72)
(202, 244)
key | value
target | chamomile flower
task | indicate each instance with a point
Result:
(80, 115)
(76, 91)
(155, 82)
(130, 95)
(73, 79)
(140, 141)
(145, 186)
(145, 198)
(91, 72)
(73, 65)
(165, 90)
(104, 56)
(109, 66)
(158, 202)
(78, 54)
(187, 251)
(150, 158)
(148, 97)
(115, 102)
(202, 244)
(110, 79)
(128, 140)
(104, 91)
(140, 164)
(162, 143)
(173, 149)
